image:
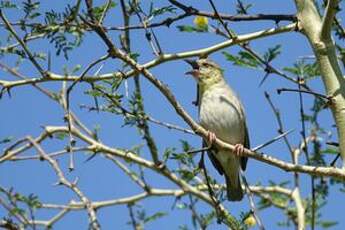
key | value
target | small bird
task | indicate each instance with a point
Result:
(222, 114)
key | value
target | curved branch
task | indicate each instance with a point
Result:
(159, 60)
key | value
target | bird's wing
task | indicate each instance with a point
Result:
(210, 153)
(214, 160)
(197, 99)
(246, 144)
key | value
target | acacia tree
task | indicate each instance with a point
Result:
(124, 60)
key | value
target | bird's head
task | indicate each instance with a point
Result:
(205, 72)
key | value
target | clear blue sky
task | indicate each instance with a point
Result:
(27, 110)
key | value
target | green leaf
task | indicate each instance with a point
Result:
(134, 56)
(33, 201)
(304, 70)
(76, 69)
(30, 7)
(243, 8)
(272, 53)
(181, 206)
(154, 217)
(16, 211)
(34, 15)
(328, 224)
(60, 135)
(207, 219)
(186, 28)
(7, 4)
(167, 153)
(186, 174)
(186, 146)
(183, 227)
(98, 10)
(184, 158)
(6, 140)
(58, 26)
(244, 59)
(230, 57)
(332, 151)
(162, 10)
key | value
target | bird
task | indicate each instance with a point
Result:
(222, 114)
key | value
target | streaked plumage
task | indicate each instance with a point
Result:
(221, 113)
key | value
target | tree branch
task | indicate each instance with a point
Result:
(325, 54)
(328, 19)
(193, 11)
(157, 61)
(62, 180)
(24, 46)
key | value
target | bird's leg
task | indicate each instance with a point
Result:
(211, 138)
(239, 150)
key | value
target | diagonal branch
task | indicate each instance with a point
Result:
(21, 42)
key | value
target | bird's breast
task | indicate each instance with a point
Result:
(219, 114)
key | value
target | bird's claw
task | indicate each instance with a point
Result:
(239, 149)
(211, 138)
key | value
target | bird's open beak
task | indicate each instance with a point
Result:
(195, 67)
(193, 63)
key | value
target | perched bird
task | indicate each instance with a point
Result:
(222, 114)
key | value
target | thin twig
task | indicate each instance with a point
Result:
(72, 186)
(280, 124)
(134, 223)
(230, 34)
(305, 149)
(142, 124)
(319, 95)
(149, 33)
(283, 135)
(24, 46)
(252, 203)
(209, 189)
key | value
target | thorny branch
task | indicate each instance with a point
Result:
(155, 62)
(96, 146)
(71, 185)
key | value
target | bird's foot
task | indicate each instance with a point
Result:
(239, 150)
(211, 138)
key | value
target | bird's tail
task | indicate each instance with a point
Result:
(234, 189)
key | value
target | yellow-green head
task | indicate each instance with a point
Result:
(206, 73)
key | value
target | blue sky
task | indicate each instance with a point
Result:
(27, 110)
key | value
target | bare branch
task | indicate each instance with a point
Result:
(62, 180)
(328, 19)
(193, 11)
